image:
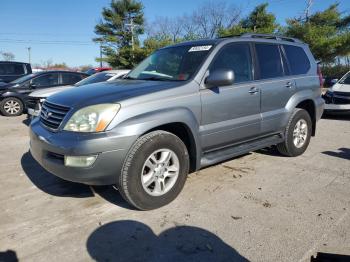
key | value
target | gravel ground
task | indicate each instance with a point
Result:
(258, 207)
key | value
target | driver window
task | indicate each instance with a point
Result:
(234, 57)
(46, 80)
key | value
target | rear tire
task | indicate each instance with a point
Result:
(145, 160)
(297, 135)
(11, 106)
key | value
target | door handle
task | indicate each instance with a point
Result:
(253, 90)
(289, 84)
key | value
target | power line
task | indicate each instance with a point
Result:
(48, 42)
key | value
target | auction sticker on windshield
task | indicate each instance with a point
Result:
(200, 48)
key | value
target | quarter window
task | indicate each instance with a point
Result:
(269, 59)
(298, 60)
(234, 57)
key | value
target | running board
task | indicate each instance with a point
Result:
(220, 155)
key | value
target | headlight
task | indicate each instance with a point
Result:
(92, 118)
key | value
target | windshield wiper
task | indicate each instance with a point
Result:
(154, 78)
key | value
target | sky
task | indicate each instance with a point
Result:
(61, 31)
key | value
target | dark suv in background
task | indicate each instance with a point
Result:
(13, 95)
(10, 71)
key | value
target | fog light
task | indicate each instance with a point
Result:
(79, 161)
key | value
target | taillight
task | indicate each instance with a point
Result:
(320, 76)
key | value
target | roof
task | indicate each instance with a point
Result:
(252, 36)
(13, 62)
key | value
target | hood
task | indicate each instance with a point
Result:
(46, 92)
(109, 92)
(340, 88)
(4, 85)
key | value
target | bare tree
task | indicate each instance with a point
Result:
(201, 23)
(214, 15)
(8, 56)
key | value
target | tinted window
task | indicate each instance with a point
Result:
(11, 69)
(298, 61)
(46, 80)
(234, 57)
(70, 79)
(269, 60)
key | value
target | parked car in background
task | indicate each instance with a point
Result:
(337, 98)
(10, 71)
(185, 107)
(35, 99)
(13, 95)
(97, 70)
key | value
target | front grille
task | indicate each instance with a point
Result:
(52, 115)
(32, 102)
(337, 93)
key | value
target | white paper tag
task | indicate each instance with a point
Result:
(200, 48)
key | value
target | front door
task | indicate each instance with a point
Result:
(231, 114)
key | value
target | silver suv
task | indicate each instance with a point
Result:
(185, 107)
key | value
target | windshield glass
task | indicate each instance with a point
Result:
(345, 79)
(171, 64)
(99, 77)
(22, 79)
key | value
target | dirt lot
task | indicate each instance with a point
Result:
(259, 207)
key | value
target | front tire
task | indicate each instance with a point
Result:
(154, 171)
(11, 106)
(297, 135)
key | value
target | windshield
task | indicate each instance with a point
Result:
(22, 79)
(99, 77)
(345, 79)
(178, 63)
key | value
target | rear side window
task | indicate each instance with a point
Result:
(70, 79)
(11, 69)
(298, 60)
(235, 57)
(269, 60)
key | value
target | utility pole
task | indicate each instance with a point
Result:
(101, 54)
(132, 26)
(309, 4)
(29, 58)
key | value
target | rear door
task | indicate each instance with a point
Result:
(276, 86)
(231, 114)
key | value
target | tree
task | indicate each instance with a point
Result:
(121, 24)
(326, 32)
(8, 56)
(204, 22)
(258, 21)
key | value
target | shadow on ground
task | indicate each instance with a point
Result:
(342, 153)
(8, 256)
(56, 186)
(134, 241)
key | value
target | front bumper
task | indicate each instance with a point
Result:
(337, 101)
(49, 148)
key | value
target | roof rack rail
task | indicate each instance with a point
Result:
(274, 37)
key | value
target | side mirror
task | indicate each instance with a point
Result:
(33, 86)
(334, 81)
(220, 77)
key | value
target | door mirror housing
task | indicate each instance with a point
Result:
(33, 86)
(220, 77)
